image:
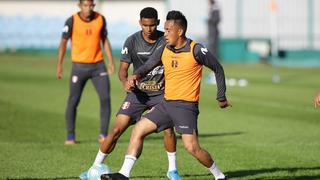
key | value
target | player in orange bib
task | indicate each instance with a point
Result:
(136, 51)
(183, 60)
(86, 29)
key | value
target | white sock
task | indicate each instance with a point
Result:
(172, 161)
(127, 165)
(100, 158)
(216, 172)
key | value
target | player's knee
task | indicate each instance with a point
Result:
(73, 101)
(105, 100)
(137, 133)
(115, 132)
(192, 149)
(169, 133)
(189, 148)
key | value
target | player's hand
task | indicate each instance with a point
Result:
(59, 72)
(110, 68)
(317, 100)
(224, 104)
(127, 87)
(131, 80)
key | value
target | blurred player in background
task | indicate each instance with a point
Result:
(149, 92)
(317, 100)
(213, 30)
(182, 59)
(86, 29)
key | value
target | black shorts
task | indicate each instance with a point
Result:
(82, 71)
(182, 115)
(135, 104)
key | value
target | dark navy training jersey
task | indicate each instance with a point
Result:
(137, 51)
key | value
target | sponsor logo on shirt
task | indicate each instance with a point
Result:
(184, 127)
(124, 50)
(65, 29)
(143, 53)
(204, 50)
(150, 86)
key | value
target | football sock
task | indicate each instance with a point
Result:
(172, 161)
(71, 137)
(216, 171)
(100, 158)
(127, 165)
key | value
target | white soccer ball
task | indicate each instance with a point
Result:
(96, 171)
(232, 82)
(243, 82)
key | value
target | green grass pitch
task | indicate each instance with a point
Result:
(271, 132)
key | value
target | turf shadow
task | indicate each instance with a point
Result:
(160, 137)
(247, 173)
(205, 135)
(252, 172)
(53, 178)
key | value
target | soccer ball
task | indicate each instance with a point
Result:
(232, 82)
(242, 82)
(95, 171)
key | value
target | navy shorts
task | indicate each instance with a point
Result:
(182, 115)
(135, 104)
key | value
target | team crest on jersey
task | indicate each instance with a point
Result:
(174, 63)
(74, 79)
(125, 105)
(88, 32)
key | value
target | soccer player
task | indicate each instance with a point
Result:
(149, 92)
(86, 29)
(182, 59)
(317, 100)
(213, 29)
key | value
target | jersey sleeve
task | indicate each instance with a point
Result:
(104, 31)
(206, 58)
(153, 61)
(127, 49)
(67, 29)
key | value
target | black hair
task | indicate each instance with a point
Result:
(149, 12)
(178, 18)
(80, 1)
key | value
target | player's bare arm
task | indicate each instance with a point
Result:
(107, 47)
(123, 74)
(61, 52)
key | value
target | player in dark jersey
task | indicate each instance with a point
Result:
(149, 92)
(182, 59)
(86, 29)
